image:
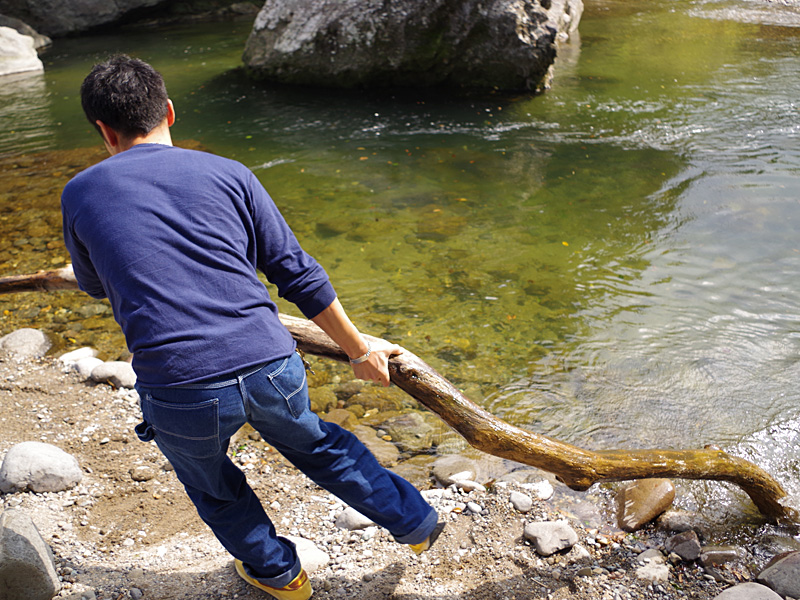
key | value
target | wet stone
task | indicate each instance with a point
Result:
(386, 452)
(782, 574)
(642, 501)
(686, 545)
(720, 555)
(322, 399)
(346, 390)
(449, 469)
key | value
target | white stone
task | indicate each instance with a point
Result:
(549, 537)
(521, 502)
(474, 507)
(70, 358)
(311, 557)
(748, 591)
(579, 553)
(653, 572)
(38, 467)
(85, 366)
(543, 489)
(25, 342)
(351, 520)
(17, 53)
(116, 372)
(651, 555)
(468, 485)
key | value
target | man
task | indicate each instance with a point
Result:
(173, 239)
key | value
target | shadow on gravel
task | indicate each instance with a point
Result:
(382, 584)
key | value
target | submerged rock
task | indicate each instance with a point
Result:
(385, 452)
(506, 44)
(410, 432)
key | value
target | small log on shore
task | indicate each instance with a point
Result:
(41, 281)
(576, 467)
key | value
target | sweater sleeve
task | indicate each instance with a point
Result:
(297, 275)
(84, 270)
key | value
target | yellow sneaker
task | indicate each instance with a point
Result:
(427, 542)
(421, 547)
(298, 589)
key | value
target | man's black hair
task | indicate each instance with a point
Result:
(125, 93)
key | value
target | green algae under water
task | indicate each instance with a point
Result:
(614, 262)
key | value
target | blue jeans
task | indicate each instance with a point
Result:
(192, 425)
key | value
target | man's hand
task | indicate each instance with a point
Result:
(334, 321)
(376, 367)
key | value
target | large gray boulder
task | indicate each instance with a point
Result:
(506, 44)
(62, 17)
(17, 53)
(27, 568)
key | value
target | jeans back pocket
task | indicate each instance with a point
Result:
(289, 379)
(189, 428)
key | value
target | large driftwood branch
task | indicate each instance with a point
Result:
(576, 467)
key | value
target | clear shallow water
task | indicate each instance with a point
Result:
(614, 262)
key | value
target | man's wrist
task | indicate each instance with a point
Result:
(363, 357)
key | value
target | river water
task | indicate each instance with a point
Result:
(614, 262)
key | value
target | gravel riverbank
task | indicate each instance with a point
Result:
(128, 531)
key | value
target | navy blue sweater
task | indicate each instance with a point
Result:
(173, 238)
